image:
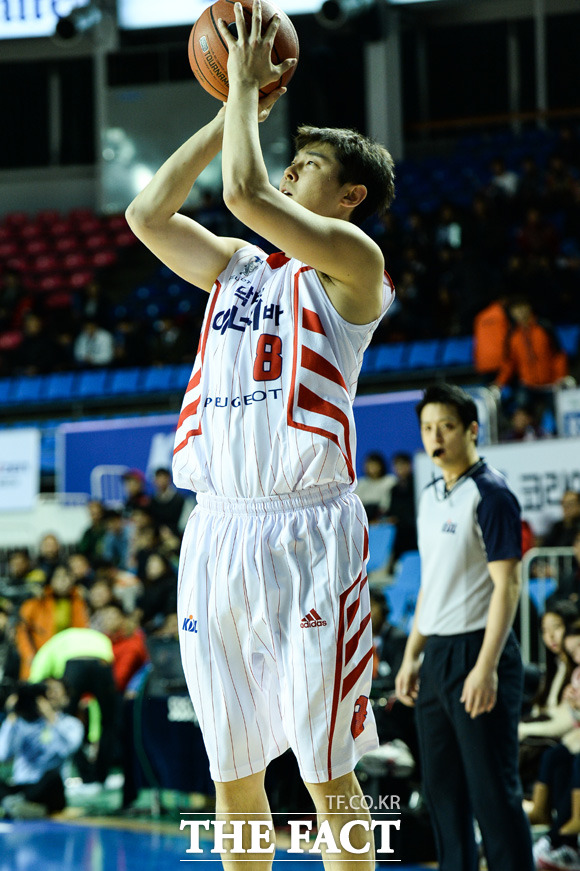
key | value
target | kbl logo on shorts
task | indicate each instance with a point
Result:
(189, 624)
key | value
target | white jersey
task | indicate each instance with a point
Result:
(268, 408)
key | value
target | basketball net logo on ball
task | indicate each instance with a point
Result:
(208, 52)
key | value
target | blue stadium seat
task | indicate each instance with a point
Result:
(157, 379)
(125, 381)
(424, 354)
(28, 388)
(402, 594)
(540, 589)
(92, 382)
(457, 351)
(390, 357)
(569, 338)
(368, 363)
(6, 385)
(381, 540)
(182, 375)
(60, 385)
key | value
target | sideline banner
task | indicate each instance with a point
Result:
(19, 469)
(538, 472)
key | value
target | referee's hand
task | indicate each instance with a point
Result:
(479, 693)
(407, 683)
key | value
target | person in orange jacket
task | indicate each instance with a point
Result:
(491, 329)
(532, 355)
(60, 606)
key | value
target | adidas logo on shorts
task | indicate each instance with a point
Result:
(312, 620)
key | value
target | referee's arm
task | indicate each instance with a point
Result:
(480, 688)
(407, 680)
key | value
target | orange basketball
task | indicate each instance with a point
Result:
(208, 52)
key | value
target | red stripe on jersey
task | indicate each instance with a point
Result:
(341, 632)
(307, 399)
(191, 408)
(352, 645)
(354, 675)
(311, 321)
(187, 411)
(276, 260)
(313, 361)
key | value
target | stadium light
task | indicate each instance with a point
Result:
(80, 20)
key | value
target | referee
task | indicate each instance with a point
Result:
(467, 686)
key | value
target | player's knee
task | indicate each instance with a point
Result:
(247, 791)
(339, 793)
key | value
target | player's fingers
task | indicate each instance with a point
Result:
(240, 20)
(226, 32)
(256, 29)
(286, 65)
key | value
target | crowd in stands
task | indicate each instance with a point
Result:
(83, 615)
(513, 234)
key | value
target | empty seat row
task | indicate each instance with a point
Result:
(427, 354)
(93, 383)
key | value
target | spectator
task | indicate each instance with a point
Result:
(116, 544)
(374, 486)
(92, 537)
(131, 342)
(167, 503)
(83, 658)
(49, 555)
(563, 532)
(81, 570)
(569, 584)
(39, 739)
(171, 344)
(402, 508)
(100, 595)
(491, 329)
(158, 601)
(93, 304)
(533, 357)
(22, 570)
(524, 426)
(60, 606)
(94, 346)
(536, 237)
(504, 182)
(128, 640)
(37, 351)
(136, 495)
(550, 716)
(398, 752)
(9, 659)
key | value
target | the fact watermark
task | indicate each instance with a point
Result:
(347, 830)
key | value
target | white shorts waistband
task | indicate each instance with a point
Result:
(306, 498)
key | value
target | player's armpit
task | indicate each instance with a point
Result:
(186, 247)
(336, 248)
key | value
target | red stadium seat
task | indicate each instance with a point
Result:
(48, 283)
(48, 216)
(36, 247)
(61, 228)
(43, 264)
(80, 279)
(101, 259)
(16, 219)
(97, 242)
(75, 261)
(66, 244)
(124, 239)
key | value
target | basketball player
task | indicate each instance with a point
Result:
(468, 687)
(273, 602)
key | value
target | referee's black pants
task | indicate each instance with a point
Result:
(470, 767)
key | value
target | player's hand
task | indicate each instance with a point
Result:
(407, 683)
(45, 709)
(250, 55)
(479, 693)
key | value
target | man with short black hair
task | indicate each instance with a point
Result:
(468, 685)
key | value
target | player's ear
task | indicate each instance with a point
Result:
(354, 196)
(474, 430)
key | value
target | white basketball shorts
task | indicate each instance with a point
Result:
(275, 631)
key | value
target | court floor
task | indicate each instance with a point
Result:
(111, 846)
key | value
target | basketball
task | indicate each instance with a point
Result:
(208, 53)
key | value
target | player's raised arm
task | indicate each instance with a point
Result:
(181, 243)
(309, 217)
